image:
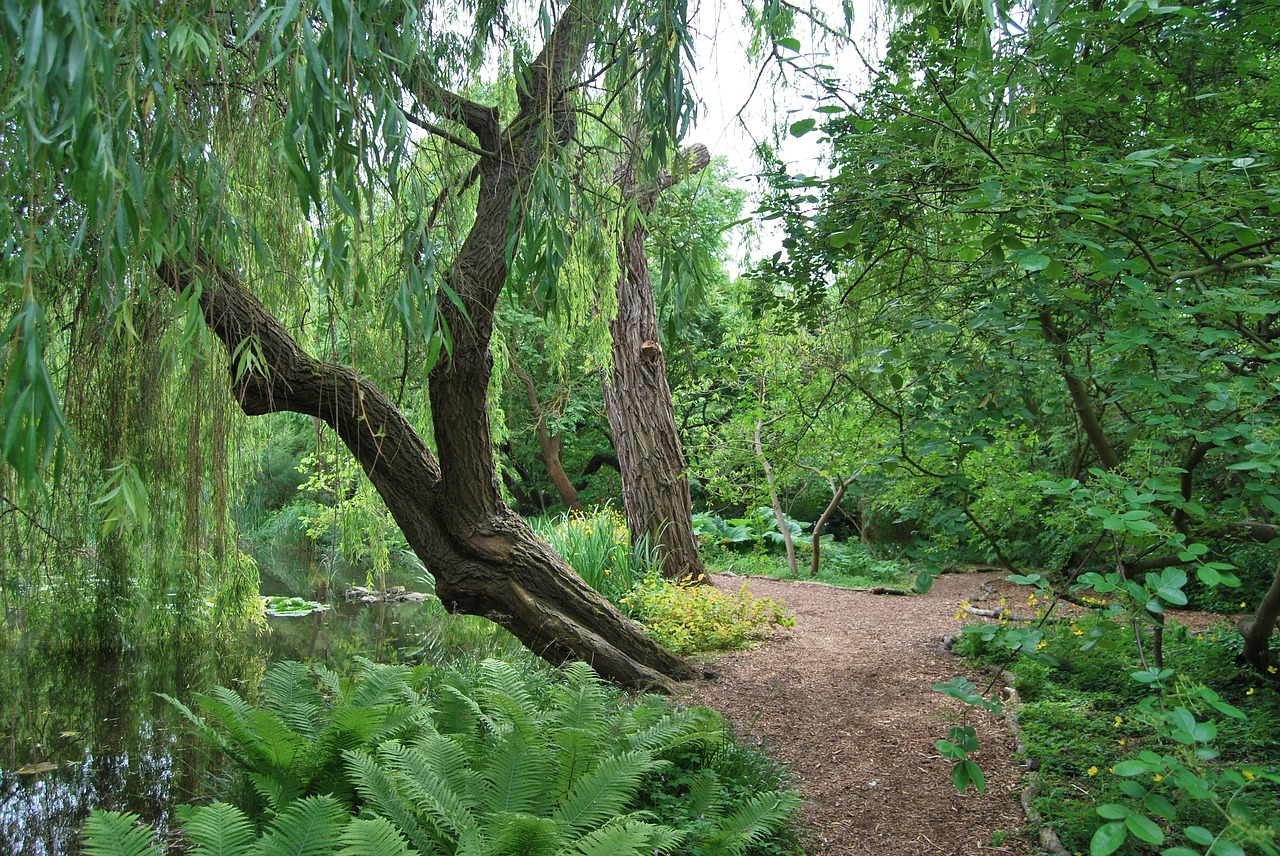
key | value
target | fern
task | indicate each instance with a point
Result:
(111, 833)
(518, 834)
(626, 837)
(604, 792)
(509, 762)
(218, 829)
(450, 811)
(752, 821)
(307, 827)
(375, 837)
(515, 773)
(376, 787)
(380, 685)
(290, 695)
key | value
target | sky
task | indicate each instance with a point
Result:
(739, 105)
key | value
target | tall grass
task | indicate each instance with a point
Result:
(598, 546)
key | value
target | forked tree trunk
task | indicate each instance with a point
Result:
(1257, 630)
(637, 397)
(485, 558)
(493, 565)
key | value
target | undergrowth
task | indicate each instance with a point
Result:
(496, 759)
(1164, 767)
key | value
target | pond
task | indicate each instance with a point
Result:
(81, 732)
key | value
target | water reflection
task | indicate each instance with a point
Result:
(117, 745)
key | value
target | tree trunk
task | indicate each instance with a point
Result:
(773, 501)
(637, 397)
(1257, 630)
(492, 566)
(838, 488)
(485, 558)
(1080, 399)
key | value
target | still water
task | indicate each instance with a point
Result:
(80, 733)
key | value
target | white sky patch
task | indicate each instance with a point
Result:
(741, 101)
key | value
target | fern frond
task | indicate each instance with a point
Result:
(306, 827)
(517, 774)
(604, 792)
(217, 829)
(374, 836)
(583, 702)
(209, 733)
(504, 697)
(675, 728)
(422, 783)
(380, 684)
(460, 713)
(288, 689)
(518, 834)
(756, 818)
(376, 786)
(577, 751)
(111, 833)
(276, 791)
(624, 837)
(330, 684)
(704, 791)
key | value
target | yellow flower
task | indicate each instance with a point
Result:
(1076, 631)
(1249, 691)
(1157, 778)
(1121, 741)
(1271, 670)
(1040, 645)
(1248, 775)
(1093, 771)
(1244, 604)
(1119, 719)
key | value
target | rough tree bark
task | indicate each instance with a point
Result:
(493, 566)
(637, 397)
(485, 558)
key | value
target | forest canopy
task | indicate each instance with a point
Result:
(1026, 315)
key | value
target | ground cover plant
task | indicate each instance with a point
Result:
(497, 758)
(1136, 756)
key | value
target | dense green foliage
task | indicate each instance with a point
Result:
(1195, 759)
(499, 760)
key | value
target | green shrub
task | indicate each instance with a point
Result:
(691, 618)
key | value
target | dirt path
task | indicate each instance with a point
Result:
(845, 699)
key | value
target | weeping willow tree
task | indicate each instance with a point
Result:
(192, 195)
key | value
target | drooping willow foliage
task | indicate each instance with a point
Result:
(322, 151)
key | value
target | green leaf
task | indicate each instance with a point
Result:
(788, 43)
(1130, 768)
(960, 777)
(111, 833)
(1144, 828)
(804, 126)
(1108, 838)
(1160, 806)
(1113, 811)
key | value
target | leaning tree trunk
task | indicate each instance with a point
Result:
(493, 566)
(485, 558)
(637, 397)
